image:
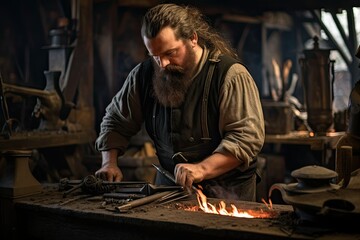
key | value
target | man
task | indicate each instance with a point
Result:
(197, 101)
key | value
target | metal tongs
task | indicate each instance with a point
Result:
(174, 196)
(169, 176)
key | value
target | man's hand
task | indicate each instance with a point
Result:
(186, 174)
(109, 172)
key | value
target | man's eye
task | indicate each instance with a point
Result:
(171, 54)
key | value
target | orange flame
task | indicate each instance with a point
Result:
(221, 209)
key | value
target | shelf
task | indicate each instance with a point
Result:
(45, 139)
(303, 138)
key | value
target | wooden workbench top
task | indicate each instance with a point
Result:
(50, 216)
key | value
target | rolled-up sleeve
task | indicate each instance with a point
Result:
(241, 117)
(123, 116)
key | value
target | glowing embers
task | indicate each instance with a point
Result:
(222, 209)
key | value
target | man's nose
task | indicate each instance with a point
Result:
(164, 61)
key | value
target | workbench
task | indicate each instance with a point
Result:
(17, 151)
(323, 143)
(50, 216)
(45, 139)
(305, 138)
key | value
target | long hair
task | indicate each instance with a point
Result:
(185, 21)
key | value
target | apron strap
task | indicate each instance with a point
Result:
(204, 107)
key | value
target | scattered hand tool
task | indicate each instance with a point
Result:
(92, 185)
(169, 196)
(119, 198)
(173, 197)
(120, 195)
(141, 201)
(74, 199)
(147, 189)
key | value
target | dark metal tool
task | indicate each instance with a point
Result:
(91, 184)
(65, 183)
(173, 196)
(76, 198)
(165, 173)
(118, 195)
(147, 189)
(170, 196)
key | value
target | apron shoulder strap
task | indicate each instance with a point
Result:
(213, 60)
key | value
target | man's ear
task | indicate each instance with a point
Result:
(194, 39)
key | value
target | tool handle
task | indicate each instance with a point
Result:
(141, 201)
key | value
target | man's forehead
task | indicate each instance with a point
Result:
(164, 41)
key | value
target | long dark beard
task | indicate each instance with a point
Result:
(171, 84)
